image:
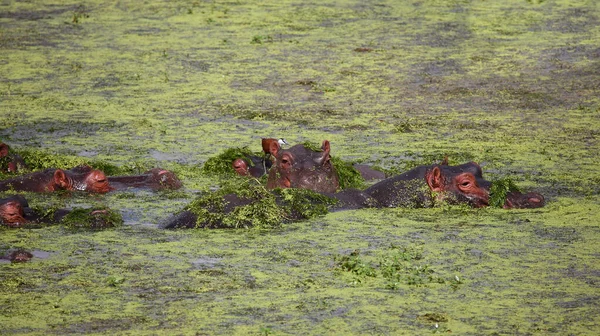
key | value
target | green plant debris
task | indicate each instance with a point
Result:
(303, 203)
(396, 267)
(509, 84)
(39, 160)
(498, 191)
(97, 218)
(220, 165)
(245, 203)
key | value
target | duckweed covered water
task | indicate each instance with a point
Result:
(510, 84)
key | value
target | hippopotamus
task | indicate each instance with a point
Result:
(251, 166)
(368, 173)
(423, 186)
(82, 178)
(301, 167)
(296, 167)
(155, 179)
(17, 256)
(10, 162)
(15, 213)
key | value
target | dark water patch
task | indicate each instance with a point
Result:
(560, 234)
(197, 65)
(205, 263)
(146, 31)
(27, 131)
(572, 20)
(444, 35)
(32, 15)
(587, 301)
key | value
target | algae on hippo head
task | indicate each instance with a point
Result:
(220, 165)
(245, 203)
(96, 218)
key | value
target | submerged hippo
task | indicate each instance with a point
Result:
(462, 184)
(254, 166)
(15, 213)
(301, 167)
(10, 162)
(420, 187)
(82, 178)
(154, 179)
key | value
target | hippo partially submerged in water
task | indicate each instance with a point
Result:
(16, 213)
(423, 186)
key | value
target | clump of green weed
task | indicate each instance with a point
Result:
(353, 263)
(221, 164)
(97, 218)
(304, 203)
(348, 176)
(239, 203)
(39, 160)
(245, 203)
(498, 191)
(396, 267)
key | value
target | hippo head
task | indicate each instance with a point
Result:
(301, 167)
(12, 211)
(459, 184)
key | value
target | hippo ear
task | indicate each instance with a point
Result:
(60, 179)
(435, 180)
(3, 149)
(274, 148)
(326, 148)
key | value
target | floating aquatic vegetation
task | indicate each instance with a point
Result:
(498, 191)
(221, 164)
(245, 203)
(97, 218)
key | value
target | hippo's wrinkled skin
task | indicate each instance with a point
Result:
(155, 179)
(301, 167)
(82, 178)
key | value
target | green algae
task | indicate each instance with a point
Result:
(510, 84)
(96, 218)
(220, 165)
(254, 206)
(499, 190)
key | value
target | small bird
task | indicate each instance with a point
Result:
(266, 144)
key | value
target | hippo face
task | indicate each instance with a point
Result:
(301, 167)
(11, 211)
(459, 184)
